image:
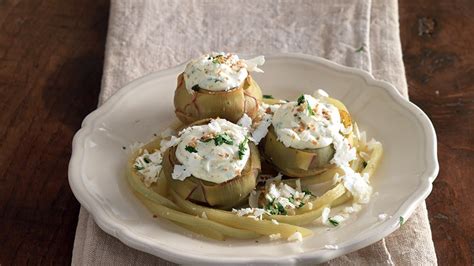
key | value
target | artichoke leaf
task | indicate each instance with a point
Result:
(230, 105)
(293, 162)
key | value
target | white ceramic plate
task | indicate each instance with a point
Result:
(142, 108)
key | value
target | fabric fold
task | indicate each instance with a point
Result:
(146, 36)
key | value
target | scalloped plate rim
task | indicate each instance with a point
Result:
(113, 227)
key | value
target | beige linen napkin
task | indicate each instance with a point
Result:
(150, 35)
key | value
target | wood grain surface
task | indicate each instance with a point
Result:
(51, 56)
(438, 48)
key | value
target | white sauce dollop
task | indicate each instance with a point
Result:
(219, 71)
(307, 124)
(202, 158)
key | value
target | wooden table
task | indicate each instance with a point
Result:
(51, 55)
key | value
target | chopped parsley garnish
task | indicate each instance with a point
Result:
(333, 222)
(242, 148)
(190, 149)
(307, 192)
(147, 160)
(402, 220)
(281, 209)
(276, 209)
(266, 96)
(223, 138)
(361, 49)
(310, 110)
(291, 199)
(195, 88)
(301, 100)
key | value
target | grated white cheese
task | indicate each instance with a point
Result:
(275, 221)
(255, 213)
(204, 215)
(325, 215)
(357, 185)
(149, 166)
(262, 128)
(338, 218)
(245, 121)
(258, 130)
(283, 196)
(320, 94)
(180, 172)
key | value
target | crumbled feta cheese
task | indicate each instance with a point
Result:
(252, 64)
(258, 212)
(344, 152)
(243, 211)
(255, 213)
(357, 185)
(149, 166)
(245, 121)
(325, 215)
(297, 236)
(320, 94)
(273, 191)
(262, 128)
(282, 197)
(338, 218)
(274, 237)
(180, 172)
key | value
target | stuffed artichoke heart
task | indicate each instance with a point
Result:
(218, 85)
(212, 163)
(309, 136)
